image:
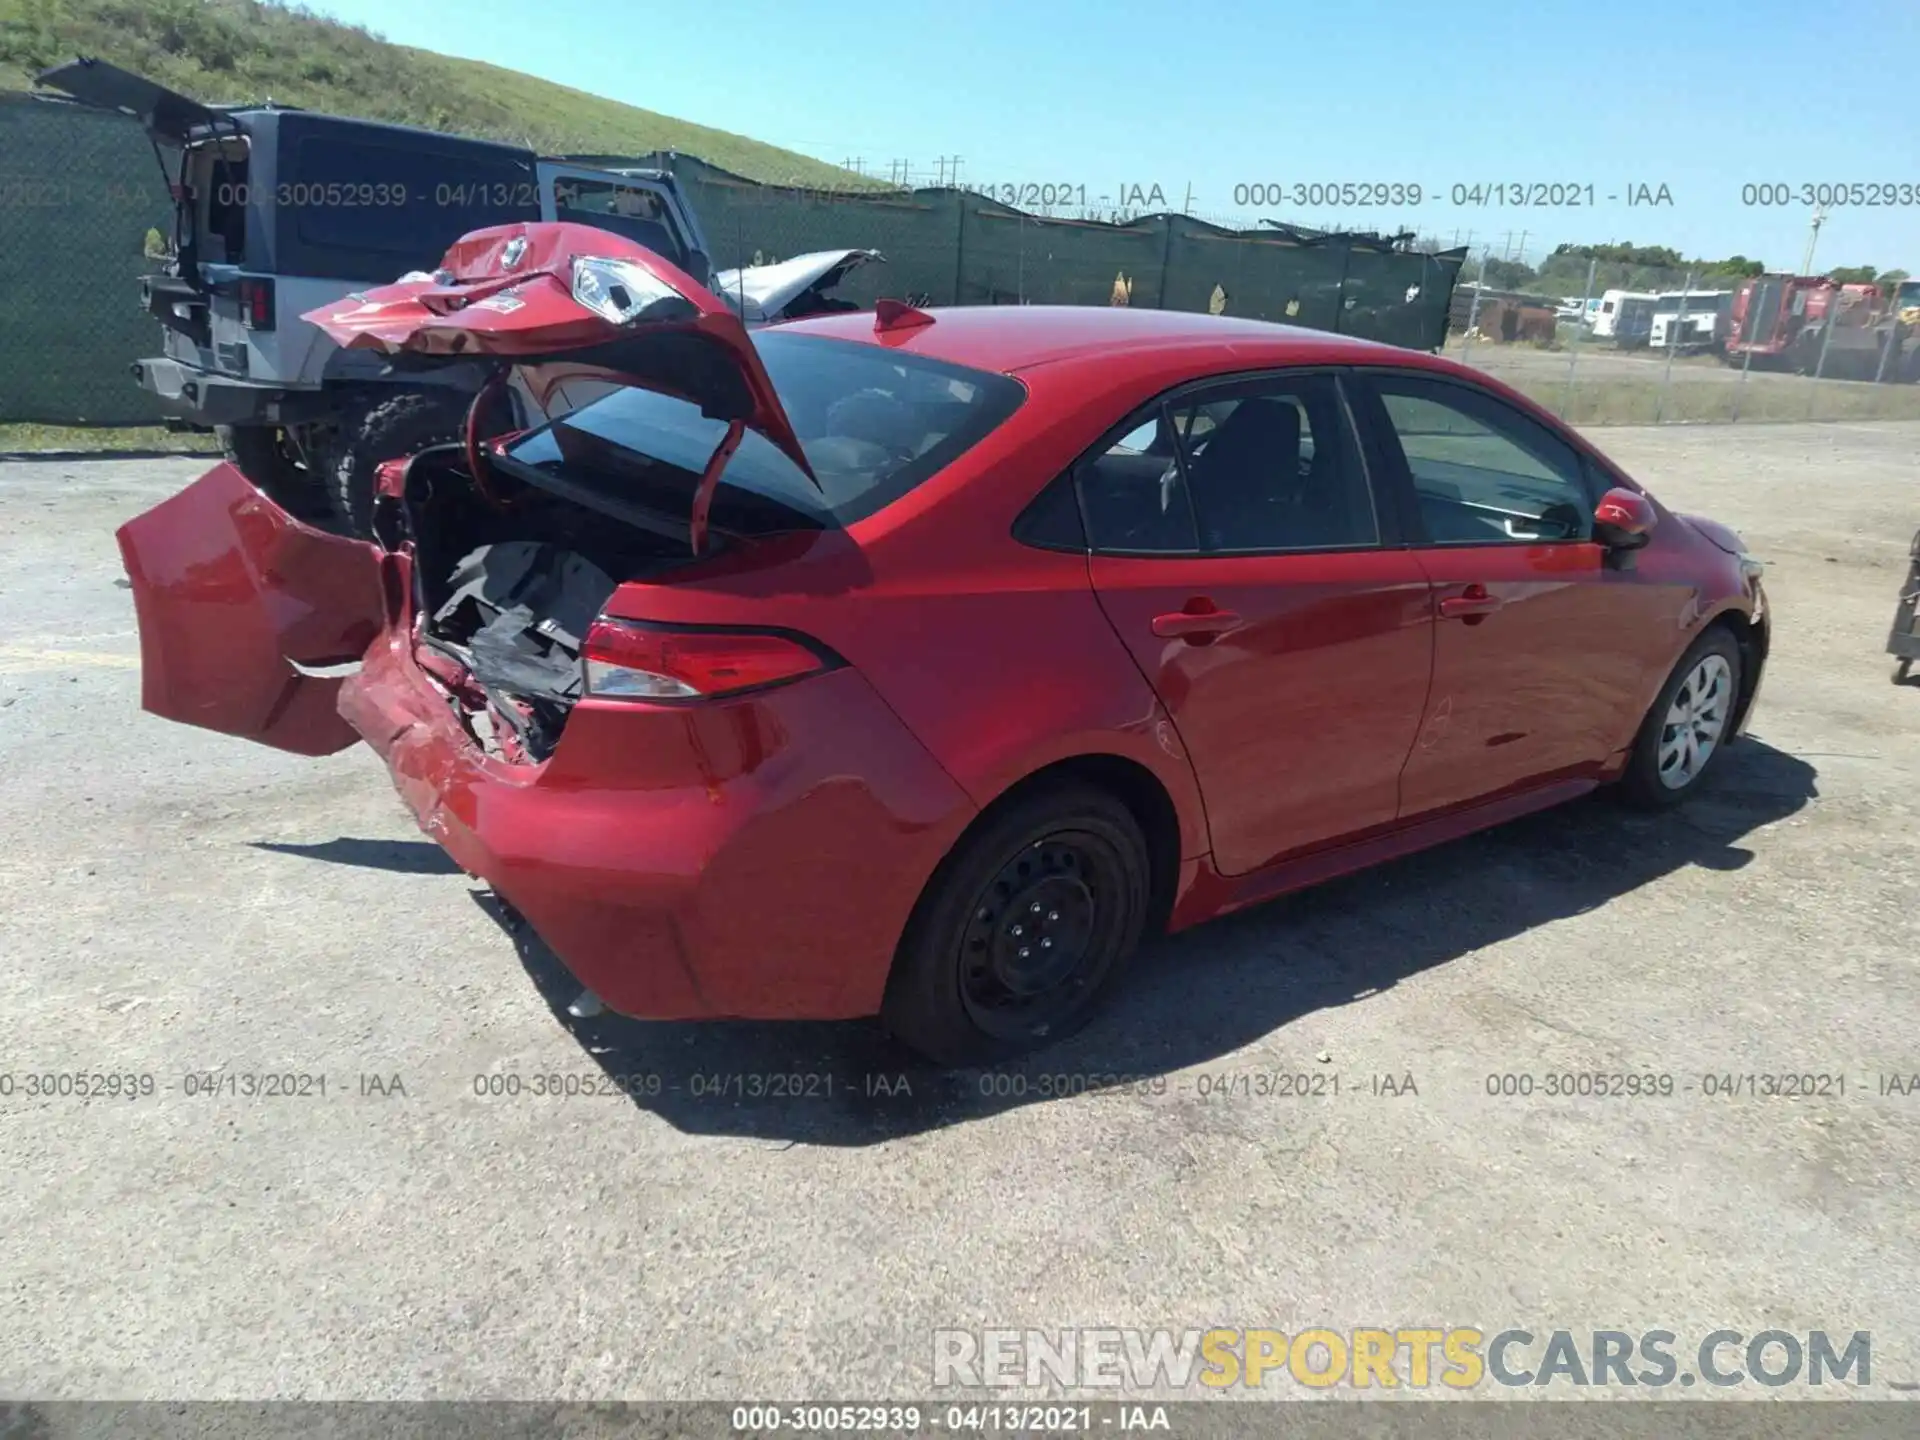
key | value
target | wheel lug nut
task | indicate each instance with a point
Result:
(1016, 931)
(1035, 907)
(1024, 952)
(1053, 915)
(1046, 944)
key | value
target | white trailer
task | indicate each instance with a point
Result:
(1688, 318)
(1613, 305)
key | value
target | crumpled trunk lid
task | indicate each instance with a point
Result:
(535, 293)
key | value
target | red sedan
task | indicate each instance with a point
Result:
(919, 664)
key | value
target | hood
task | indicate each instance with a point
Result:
(535, 292)
(167, 114)
(764, 293)
(1724, 536)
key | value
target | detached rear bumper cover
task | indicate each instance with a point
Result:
(713, 860)
(751, 894)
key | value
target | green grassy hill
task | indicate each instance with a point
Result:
(232, 50)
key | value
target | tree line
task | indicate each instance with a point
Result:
(1623, 266)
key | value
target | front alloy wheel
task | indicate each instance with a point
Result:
(1688, 725)
(1696, 721)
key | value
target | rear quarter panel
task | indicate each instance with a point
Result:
(996, 655)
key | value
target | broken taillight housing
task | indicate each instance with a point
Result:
(256, 302)
(623, 660)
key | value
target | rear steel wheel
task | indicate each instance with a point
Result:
(1022, 929)
(1041, 935)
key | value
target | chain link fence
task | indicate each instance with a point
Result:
(85, 206)
(1610, 344)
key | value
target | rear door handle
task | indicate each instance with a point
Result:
(1200, 625)
(1471, 602)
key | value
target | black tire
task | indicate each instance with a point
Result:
(960, 993)
(1643, 784)
(266, 455)
(1806, 353)
(388, 426)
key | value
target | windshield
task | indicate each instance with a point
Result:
(874, 423)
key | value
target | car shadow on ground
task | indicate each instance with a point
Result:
(404, 857)
(1191, 998)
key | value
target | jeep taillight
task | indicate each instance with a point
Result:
(256, 302)
(627, 660)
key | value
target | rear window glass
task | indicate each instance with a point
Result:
(874, 423)
(407, 203)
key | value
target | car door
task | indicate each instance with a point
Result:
(1239, 554)
(1540, 644)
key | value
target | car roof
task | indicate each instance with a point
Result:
(1013, 338)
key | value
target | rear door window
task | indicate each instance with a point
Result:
(1261, 466)
(1134, 491)
(1273, 467)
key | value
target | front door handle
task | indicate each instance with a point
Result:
(1470, 604)
(1195, 623)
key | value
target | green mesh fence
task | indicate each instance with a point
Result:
(747, 223)
(81, 190)
(78, 192)
(1007, 256)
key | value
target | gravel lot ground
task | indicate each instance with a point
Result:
(180, 903)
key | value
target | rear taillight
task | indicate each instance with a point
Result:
(256, 303)
(626, 661)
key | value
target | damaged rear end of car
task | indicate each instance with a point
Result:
(571, 653)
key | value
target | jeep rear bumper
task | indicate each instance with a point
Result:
(201, 397)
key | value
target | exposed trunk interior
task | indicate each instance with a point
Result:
(507, 596)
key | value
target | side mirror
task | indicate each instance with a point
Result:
(1624, 519)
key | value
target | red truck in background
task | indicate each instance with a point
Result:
(1784, 321)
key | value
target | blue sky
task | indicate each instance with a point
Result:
(1699, 96)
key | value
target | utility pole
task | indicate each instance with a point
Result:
(1813, 238)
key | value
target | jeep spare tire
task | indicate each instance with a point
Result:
(390, 426)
